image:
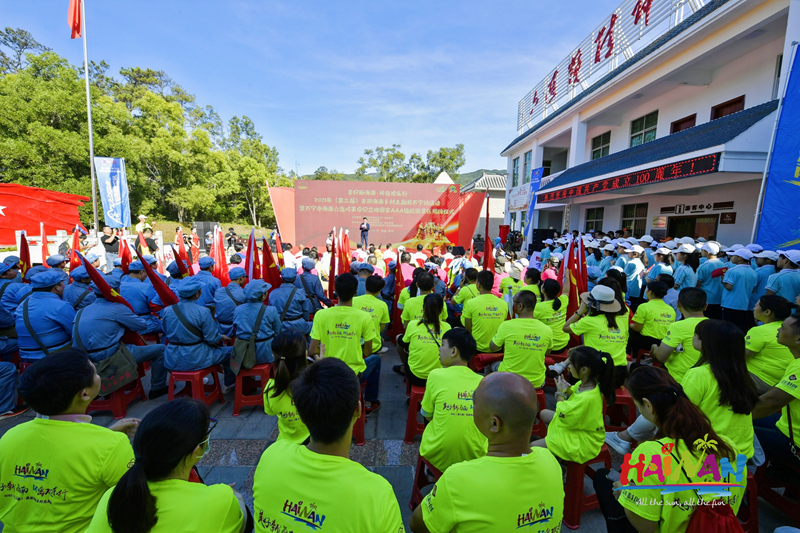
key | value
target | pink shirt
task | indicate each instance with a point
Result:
(550, 273)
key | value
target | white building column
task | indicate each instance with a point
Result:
(577, 143)
(792, 34)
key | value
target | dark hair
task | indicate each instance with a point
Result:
(463, 341)
(552, 290)
(167, 435)
(346, 286)
(692, 260)
(692, 299)
(668, 259)
(486, 279)
(238, 247)
(781, 307)
(405, 257)
(419, 247)
(527, 299)
(412, 288)
(326, 396)
(723, 350)
(236, 259)
(598, 255)
(432, 306)
(601, 365)
(374, 284)
(611, 318)
(666, 279)
(49, 385)
(619, 277)
(425, 282)
(286, 246)
(471, 274)
(678, 418)
(289, 349)
(794, 326)
(658, 288)
(533, 275)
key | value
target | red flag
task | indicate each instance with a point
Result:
(182, 247)
(399, 285)
(270, 272)
(332, 268)
(251, 257)
(160, 263)
(344, 251)
(220, 261)
(74, 18)
(488, 256)
(74, 260)
(583, 278)
(24, 254)
(195, 249)
(105, 289)
(45, 250)
(143, 248)
(180, 263)
(471, 249)
(124, 254)
(165, 293)
(279, 250)
(258, 274)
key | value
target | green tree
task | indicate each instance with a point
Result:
(19, 43)
(448, 160)
(389, 164)
(322, 173)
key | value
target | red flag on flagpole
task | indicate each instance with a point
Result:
(279, 250)
(399, 285)
(332, 268)
(182, 268)
(164, 292)
(471, 248)
(258, 274)
(251, 256)
(43, 246)
(488, 249)
(105, 289)
(24, 254)
(125, 254)
(74, 18)
(344, 251)
(270, 272)
(143, 248)
(220, 261)
(75, 248)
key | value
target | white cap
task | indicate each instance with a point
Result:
(711, 247)
(142, 216)
(702, 239)
(685, 240)
(654, 244)
(755, 248)
(665, 251)
(791, 255)
(636, 248)
(401, 249)
(562, 240)
(670, 245)
(686, 248)
(767, 254)
(558, 256)
(606, 239)
(617, 268)
(548, 241)
(646, 238)
(743, 252)
(609, 247)
(733, 248)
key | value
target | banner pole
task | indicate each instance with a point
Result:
(89, 116)
(760, 202)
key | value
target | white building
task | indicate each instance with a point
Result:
(496, 185)
(660, 121)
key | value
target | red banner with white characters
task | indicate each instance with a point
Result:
(23, 208)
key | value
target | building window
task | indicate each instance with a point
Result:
(777, 83)
(522, 222)
(594, 219)
(727, 108)
(600, 145)
(546, 168)
(515, 173)
(526, 169)
(683, 124)
(634, 219)
(513, 220)
(643, 129)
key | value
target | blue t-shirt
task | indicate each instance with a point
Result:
(711, 286)
(632, 270)
(785, 283)
(621, 261)
(762, 273)
(744, 281)
(685, 277)
(605, 264)
(658, 268)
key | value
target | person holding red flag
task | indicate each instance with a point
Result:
(269, 269)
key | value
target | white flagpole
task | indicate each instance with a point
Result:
(89, 114)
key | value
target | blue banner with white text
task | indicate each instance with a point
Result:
(113, 186)
(779, 228)
(536, 180)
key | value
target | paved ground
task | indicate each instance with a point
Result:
(237, 444)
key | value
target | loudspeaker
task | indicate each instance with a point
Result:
(537, 236)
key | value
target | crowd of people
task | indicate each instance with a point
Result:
(704, 338)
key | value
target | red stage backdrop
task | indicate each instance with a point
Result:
(22, 208)
(398, 213)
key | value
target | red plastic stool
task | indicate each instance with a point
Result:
(413, 426)
(575, 501)
(540, 428)
(748, 515)
(117, 402)
(482, 360)
(616, 414)
(421, 481)
(358, 428)
(784, 502)
(195, 387)
(246, 382)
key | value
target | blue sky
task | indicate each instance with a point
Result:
(324, 80)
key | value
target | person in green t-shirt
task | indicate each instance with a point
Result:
(483, 314)
(291, 357)
(513, 486)
(512, 284)
(532, 279)
(451, 436)
(552, 311)
(155, 494)
(467, 291)
(575, 430)
(412, 310)
(651, 320)
(419, 347)
(524, 340)
(777, 438)
(372, 304)
(767, 359)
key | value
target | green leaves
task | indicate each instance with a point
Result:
(390, 164)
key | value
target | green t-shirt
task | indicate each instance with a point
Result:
(451, 436)
(771, 359)
(679, 336)
(577, 431)
(498, 494)
(487, 312)
(405, 294)
(378, 310)
(289, 423)
(534, 289)
(657, 316)
(554, 319)
(340, 330)
(702, 388)
(413, 309)
(64, 468)
(672, 511)
(515, 285)
(788, 384)
(184, 506)
(423, 350)
(599, 336)
(465, 294)
(525, 343)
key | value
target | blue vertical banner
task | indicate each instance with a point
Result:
(113, 186)
(779, 227)
(536, 181)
